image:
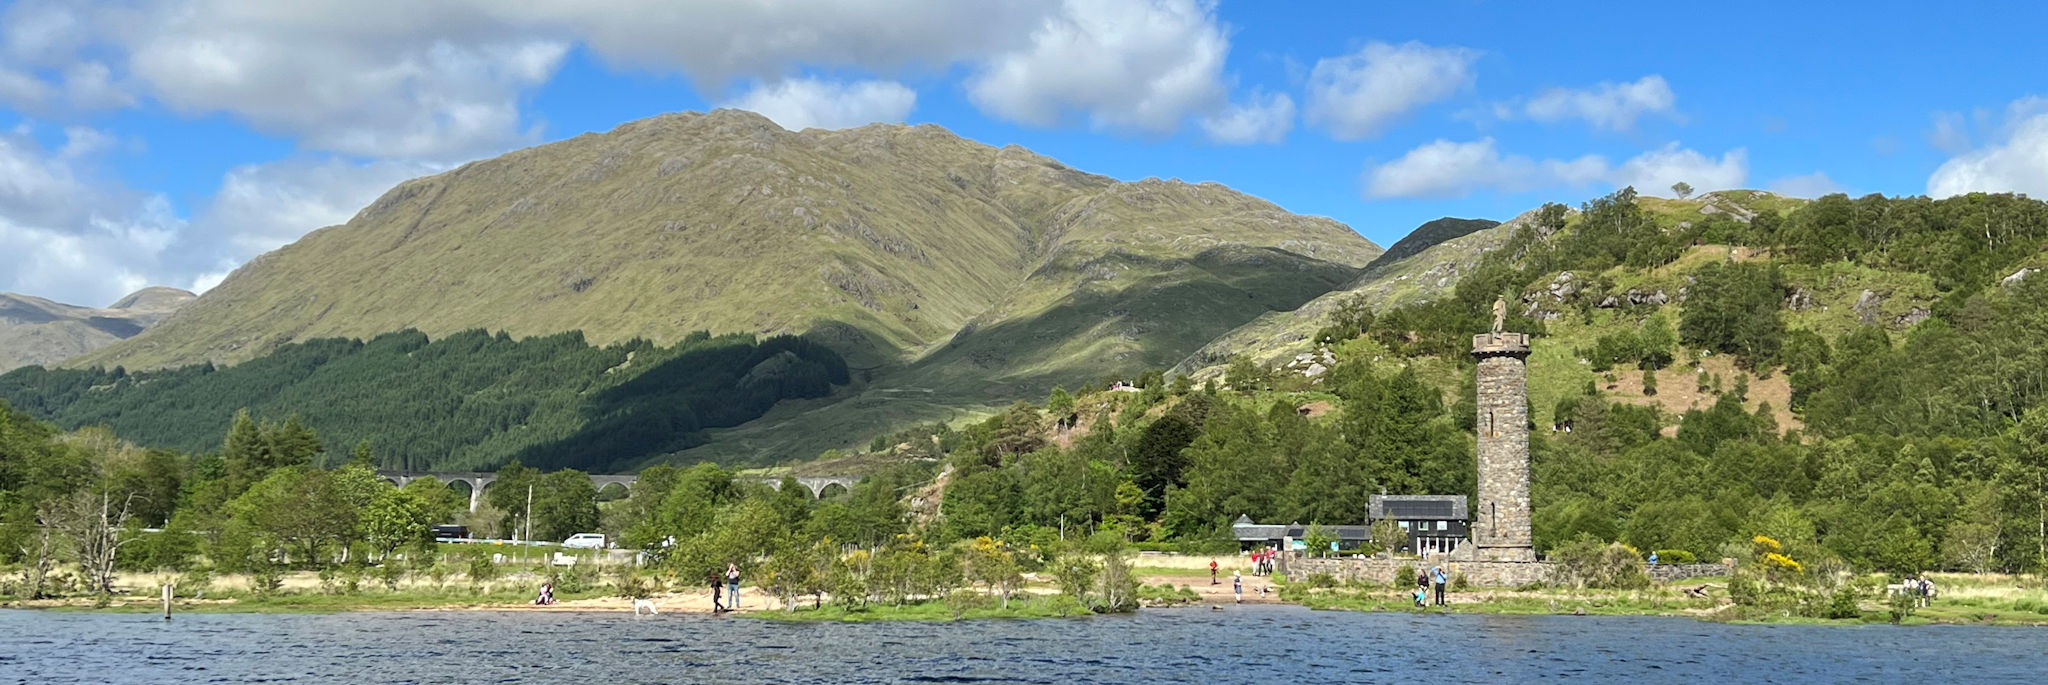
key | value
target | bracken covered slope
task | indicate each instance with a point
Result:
(956, 274)
(895, 237)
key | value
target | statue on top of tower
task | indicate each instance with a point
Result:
(1500, 316)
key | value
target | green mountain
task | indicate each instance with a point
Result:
(34, 330)
(1860, 381)
(1437, 267)
(1595, 282)
(461, 402)
(955, 277)
(1428, 235)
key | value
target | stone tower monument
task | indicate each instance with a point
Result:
(1500, 524)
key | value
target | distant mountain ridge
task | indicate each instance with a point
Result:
(35, 330)
(1428, 235)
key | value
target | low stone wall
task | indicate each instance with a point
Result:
(1479, 573)
(1665, 573)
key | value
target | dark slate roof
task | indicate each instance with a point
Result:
(1419, 507)
(1245, 530)
(1249, 531)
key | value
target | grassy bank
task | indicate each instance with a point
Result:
(300, 602)
(957, 608)
(1963, 599)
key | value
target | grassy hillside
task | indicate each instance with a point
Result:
(1436, 270)
(889, 239)
(953, 276)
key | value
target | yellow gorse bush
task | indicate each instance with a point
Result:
(1776, 560)
(1765, 545)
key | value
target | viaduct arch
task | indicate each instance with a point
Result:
(478, 480)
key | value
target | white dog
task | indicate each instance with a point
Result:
(647, 604)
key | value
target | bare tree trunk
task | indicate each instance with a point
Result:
(40, 559)
(94, 525)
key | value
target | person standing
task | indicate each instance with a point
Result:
(717, 588)
(1441, 580)
(1212, 572)
(1237, 585)
(732, 585)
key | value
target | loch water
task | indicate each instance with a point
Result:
(1263, 644)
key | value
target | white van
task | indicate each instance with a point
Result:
(585, 541)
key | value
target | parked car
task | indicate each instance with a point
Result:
(585, 541)
(450, 530)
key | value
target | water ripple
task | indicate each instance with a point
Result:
(1262, 644)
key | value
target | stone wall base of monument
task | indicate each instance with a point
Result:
(1516, 554)
(1478, 573)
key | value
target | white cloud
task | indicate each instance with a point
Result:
(1127, 65)
(798, 104)
(84, 141)
(1610, 106)
(1359, 96)
(344, 82)
(261, 207)
(2014, 158)
(715, 42)
(1448, 169)
(443, 81)
(22, 90)
(1951, 133)
(1809, 186)
(1654, 172)
(63, 235)
(1451, 169)
(67, 235)
(1260, 119)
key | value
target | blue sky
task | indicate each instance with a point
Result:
(154, 142)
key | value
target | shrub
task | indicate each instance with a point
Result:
(389, 573)
(265, 576)
(1404, 575)
(1843, 604)
(1166, 594)
(1460, 582)
(963, 601)
(1676, 556)
(482, 569)
(1900, 606)
(1586, 562)
(195, 581)
(1076, 574)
